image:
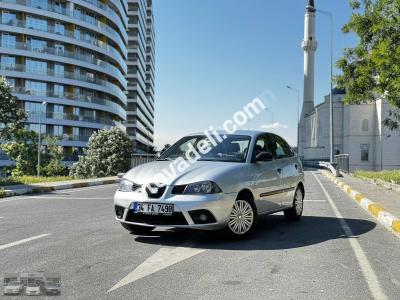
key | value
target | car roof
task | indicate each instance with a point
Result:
(251, 133)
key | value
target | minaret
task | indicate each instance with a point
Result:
(309, 45)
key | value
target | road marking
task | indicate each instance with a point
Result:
(368, 272)
(16, 243)
(314, 200)
(163, 258)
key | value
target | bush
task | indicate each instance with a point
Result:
(108, 153)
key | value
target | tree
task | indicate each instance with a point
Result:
(372, 68)
(52, 158)
(109, 152)
(12, 117)
(23, 151)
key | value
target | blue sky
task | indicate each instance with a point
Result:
(214, 56)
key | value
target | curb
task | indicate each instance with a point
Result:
(56, 187)
(390, 221)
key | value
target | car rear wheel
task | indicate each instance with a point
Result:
(136, 229)
(294, 213)
(243, 219)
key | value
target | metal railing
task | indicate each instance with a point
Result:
(67, 33)
(343, 162)
(72, 96)
(73, 55)
(65, 74)
(61, 10)
(140, 159)
(70, 117)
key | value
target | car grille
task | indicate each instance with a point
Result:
(160, 191)
(178, 189)
(176, 218)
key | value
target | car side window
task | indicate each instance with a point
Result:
(280, 149)
(261, 146)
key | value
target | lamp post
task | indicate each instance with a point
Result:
(40, 137)
(298, 112)
(330, 15)
(384, 139)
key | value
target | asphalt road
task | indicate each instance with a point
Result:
(336, 251)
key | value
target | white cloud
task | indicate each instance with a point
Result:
(275, 125)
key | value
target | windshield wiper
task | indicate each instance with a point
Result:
(163, 159)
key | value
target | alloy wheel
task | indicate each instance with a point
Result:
(241, 218)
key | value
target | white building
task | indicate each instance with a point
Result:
(358, 129)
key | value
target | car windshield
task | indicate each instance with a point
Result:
(32, 284)
(14, 284)
(51, 284)
(233, 148)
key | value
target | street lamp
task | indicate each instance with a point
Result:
(382, 150)
(331, 80)
(40, 136)
(298, 112)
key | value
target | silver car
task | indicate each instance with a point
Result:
(13, 288)
(220, 181)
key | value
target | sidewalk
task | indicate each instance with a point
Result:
(379, 202)
(21, 189)
(382, 196)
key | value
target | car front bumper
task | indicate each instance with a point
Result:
(219, 205)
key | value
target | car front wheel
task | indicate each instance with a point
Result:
(294, 213)
(243, 219)
(136, 229)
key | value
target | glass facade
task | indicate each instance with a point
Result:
(78, 69)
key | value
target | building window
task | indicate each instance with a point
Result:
(36, 23)
(59, 48)
(36, 66)
(58, 90)
(8, 40)
(7, 62)
(35, 88)
(8, 18)
(59, 70)
(36, 45)
(365, 125)
(58, 130)
(39, 3)
(59, 28)
(364, 152)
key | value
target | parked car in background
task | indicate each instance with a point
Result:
(32, 288)
(13, 288)
(52, 288)
(248, 174)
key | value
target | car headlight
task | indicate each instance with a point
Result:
(125, 185)
(202, 187)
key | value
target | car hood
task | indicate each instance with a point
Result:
(172, 173)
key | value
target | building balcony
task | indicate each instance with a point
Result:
(81, 17)
(88, 42)
(33, 117)
(62, 75)
(108, 68)
(108, 105)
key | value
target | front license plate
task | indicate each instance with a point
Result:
(152, 208)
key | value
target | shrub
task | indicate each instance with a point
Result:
(108, 153)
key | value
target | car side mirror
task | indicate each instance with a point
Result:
(264, 156)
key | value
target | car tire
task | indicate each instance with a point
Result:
(294, 213)
(242, 220)
(136, 229)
